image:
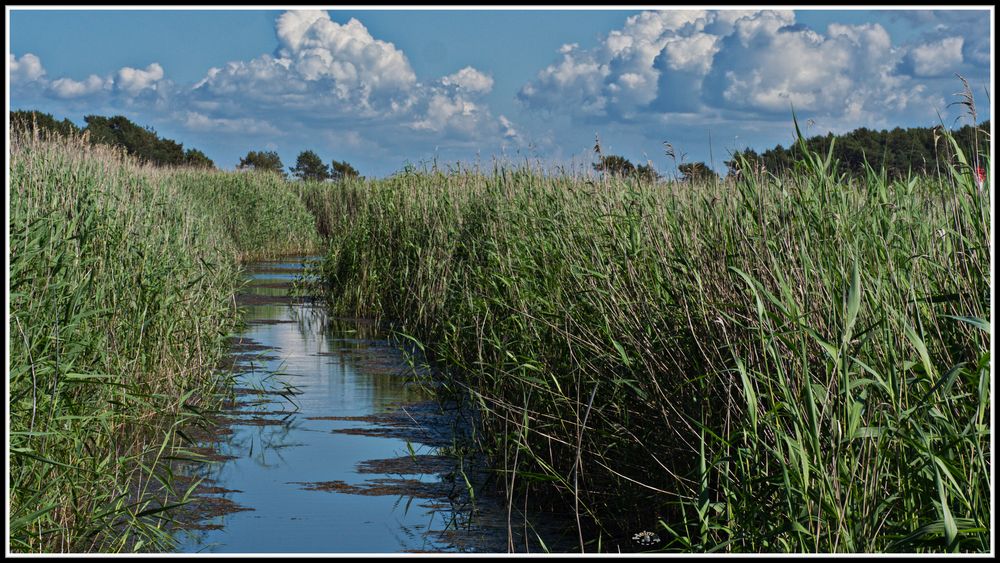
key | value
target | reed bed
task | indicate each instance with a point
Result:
(261, 212)
(121, 286)
(794, 363)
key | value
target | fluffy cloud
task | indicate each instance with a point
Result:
(26, 69)
(754, 28)
(319, 47)
(453, 104)
(319, 61)
(133, 81)
(469, 80)
(676, 38)
(127, 82)
(973, 26)
(247, 126)
(771, 67)
(576, 82)
(755, 62)
(334, 73)
(621, 73)
(937, 58)
(265, 80)
(443, 111)
(627, 71)
(68, 88)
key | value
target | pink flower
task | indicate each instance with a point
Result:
(980, 176)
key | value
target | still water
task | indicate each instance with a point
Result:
(330, 447)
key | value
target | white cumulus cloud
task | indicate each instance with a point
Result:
(133, 81)
(69, 88)
(848, 71)
(451, 105)
(683, 61)
(339, 72)
(26, 69)
(318, 47)
(469, 80)
(443, 110)
(319, 62)
(576, 82)
(937, 58)
(128, 82)
(624, 72)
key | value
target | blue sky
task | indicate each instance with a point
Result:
(380, 88)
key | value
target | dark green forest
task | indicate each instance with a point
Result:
(916, 150)
(140, 142)
(145, 144)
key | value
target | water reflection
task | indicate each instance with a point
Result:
(332, 448)
(304, 392)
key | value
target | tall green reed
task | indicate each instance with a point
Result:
(121, 284)
(261, 212)
(792, 363)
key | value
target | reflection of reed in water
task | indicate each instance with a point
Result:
(263, 443)
(345, 364)
(311, 319)
(358, 344)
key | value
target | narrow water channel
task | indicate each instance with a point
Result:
(329, 446)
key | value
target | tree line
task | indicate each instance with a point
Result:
(146, 145)
(917, 150)
(619, 166)
(900, 151)
(308, 166)
(140, 142)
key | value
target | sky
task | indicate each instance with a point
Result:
(385, 88)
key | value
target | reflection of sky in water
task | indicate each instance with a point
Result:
(271, 276)
(269, 458)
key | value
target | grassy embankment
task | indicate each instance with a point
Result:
(795, 363)
(121, 285)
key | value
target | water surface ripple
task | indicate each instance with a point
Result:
(328, 448)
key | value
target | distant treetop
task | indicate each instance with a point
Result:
(917, 149)
(262, 161)
(140, 142)
(342, 170)
(44, 123)
(615, 165)
(309, 166)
